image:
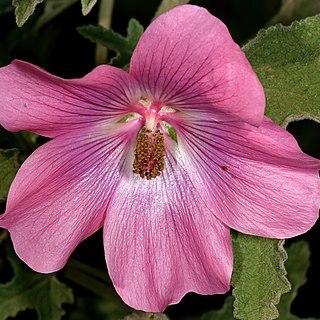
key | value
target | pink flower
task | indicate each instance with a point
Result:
(188, 118)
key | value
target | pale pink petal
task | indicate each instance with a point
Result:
(256, 181)
(34, 100)
(187, 59)
(162, 242)
(60, 194)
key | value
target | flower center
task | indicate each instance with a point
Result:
(149, 154)
(150, 149)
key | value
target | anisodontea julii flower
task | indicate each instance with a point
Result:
(167, 158)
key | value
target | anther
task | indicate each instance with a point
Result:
(149, 154)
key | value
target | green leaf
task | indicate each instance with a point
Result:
(8, 169)
(87, 5)
(30, 290)
(139, 315)
(109, 306)
(258, 276)
(134, 32)
(297, 266)
(167, 5)
(287, 61)
(53, 8)
(114, 41)
(107, 37)
(292, 10)
(24, 9)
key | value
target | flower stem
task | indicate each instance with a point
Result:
(104, 20)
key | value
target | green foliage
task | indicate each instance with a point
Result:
(146, 316)
(87, 5)
(30, 290)
(91, 306)
(105, 303)
(297, 266)
(258, 276)
(167, 5)
(114, 41)
(53, 8)
(292, 10)
(24, 9)
(287, 61)
(8, 168)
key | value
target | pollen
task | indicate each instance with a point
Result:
(149, 154)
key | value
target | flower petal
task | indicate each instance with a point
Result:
(187, 59)
(61, 192)
(162, 242)
(34, 100)
(256, 181)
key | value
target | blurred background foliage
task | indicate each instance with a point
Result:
(58, 47)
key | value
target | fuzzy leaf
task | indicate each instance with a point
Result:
(8, 169)
(297, 266)
(167, 5)
(87, 5)
(114, 41)
(287, 61)
(292, 10)
(53, 8)
(24, 9)
(258, 276)
(107, 37)
(30, 290)
(134, 32)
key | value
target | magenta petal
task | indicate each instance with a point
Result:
(162, 242)
(255, 181)
(60, 195)
(34, 100)
(186, 58)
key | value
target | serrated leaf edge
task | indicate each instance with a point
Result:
(278, 26)
(85, 9)
(299, 117)
(282, 274)
(21, 22)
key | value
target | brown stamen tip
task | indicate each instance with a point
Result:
(149, 154)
